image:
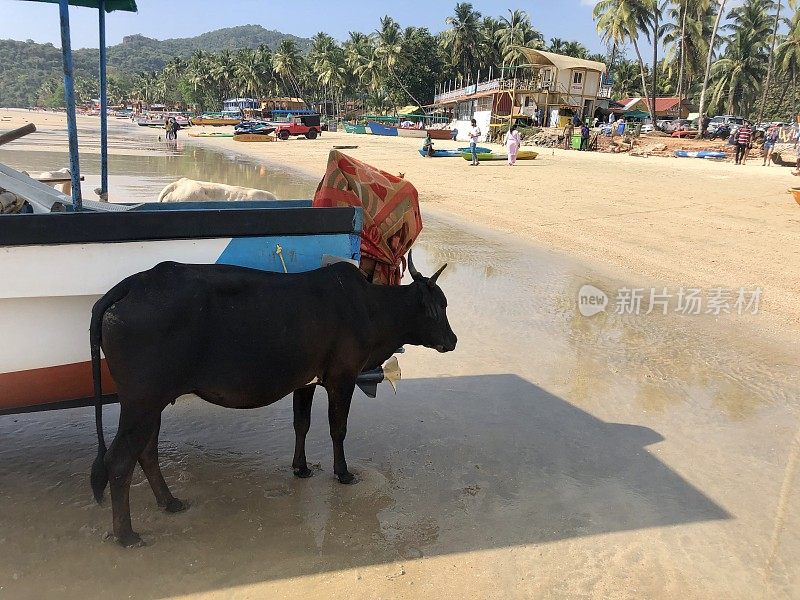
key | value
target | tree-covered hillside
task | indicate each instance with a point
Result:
(27, 65)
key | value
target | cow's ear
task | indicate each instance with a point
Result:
(435, 276)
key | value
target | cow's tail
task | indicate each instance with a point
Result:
(99, 477)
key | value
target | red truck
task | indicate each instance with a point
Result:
(307, 125)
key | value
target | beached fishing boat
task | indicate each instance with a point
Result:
(355, 128)
(380, 129)
(253, 137)
(440, 134)
(454, 153)
(210, 134)
(217, 119)
(521, 155)
(411, 132)
(62, 254)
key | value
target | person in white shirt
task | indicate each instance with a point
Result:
(474, 138)
(513, 142)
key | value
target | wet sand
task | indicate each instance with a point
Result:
(552, 455)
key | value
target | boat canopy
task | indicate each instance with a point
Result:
(109, 5)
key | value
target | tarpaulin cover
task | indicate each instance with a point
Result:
(392, 219)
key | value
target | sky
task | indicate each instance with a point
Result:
(21, 20)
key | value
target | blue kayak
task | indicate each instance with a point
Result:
(456, 152)
(699, 154)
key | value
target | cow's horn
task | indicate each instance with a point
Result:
(414, 273)
(435, 276)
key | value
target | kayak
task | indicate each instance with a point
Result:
(521, 155)
(699, 154)
(454, 153)
(210, 134)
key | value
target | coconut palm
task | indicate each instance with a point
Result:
(788, 54)
(739, 74)
(720, 11)
(556, 45)
(619, 21)
(575, 49)
(287, 64)
(778, 5)
(686, 33)
(462, 41)
(515, 32)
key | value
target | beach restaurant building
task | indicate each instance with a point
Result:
(555, 88)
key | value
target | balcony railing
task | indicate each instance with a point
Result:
(499, 85)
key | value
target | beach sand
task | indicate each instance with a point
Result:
(550, 456)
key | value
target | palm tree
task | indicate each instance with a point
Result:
(788, 54)
(575, 49)
(685, 34)
(515, 32)
(287, 64)
(720, 12)
(778, 5)
(619, 21)
(739, 74)
(462, 40)
(556, 45)
(389, 49)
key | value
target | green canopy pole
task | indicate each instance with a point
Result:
(69, 99)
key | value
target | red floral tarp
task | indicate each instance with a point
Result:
(392, 220)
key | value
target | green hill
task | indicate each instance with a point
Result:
(26, 65)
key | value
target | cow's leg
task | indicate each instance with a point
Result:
(302, 400)
(149, 463)
(135, 429)
(339, 396)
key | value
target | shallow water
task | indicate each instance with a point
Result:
(627, 456)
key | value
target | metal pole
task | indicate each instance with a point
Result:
(69, 99)
(103, 105)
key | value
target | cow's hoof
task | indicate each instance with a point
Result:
(303, 472)
(347, 478)
(176, 506)
(131, 540)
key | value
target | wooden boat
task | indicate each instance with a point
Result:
(521, 155)
(380, 129)
(454, 153)
(253, 137)
(440, 134)
(210, 134)
(217, 119)
(355, 128)
(411, 132)
(57, 264)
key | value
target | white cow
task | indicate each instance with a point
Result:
(188, 189)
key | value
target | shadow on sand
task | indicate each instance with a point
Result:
(450, 465)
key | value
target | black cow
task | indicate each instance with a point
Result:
(243, 338)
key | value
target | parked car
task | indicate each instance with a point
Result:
(720, 120)
(647, 128)
(662, 124)
(678, 124)
(307, 125)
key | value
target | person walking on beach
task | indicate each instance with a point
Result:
(474, 138)
(585, 136)
(743, 138)
(769, 145)
(513, 142)
(175, 128)
(168, 129)
(569, 128)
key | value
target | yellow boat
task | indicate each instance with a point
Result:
(253, 137)
(217, 119)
